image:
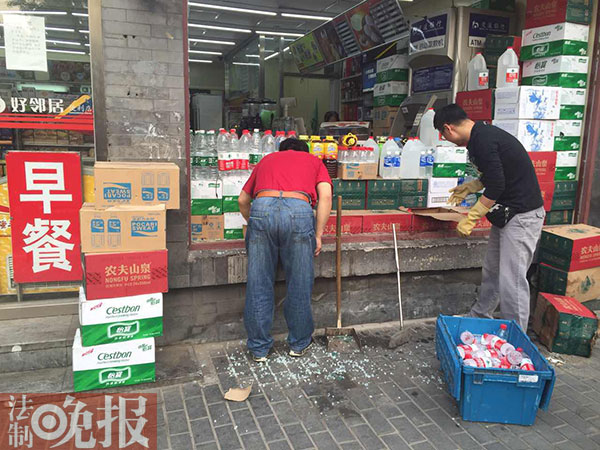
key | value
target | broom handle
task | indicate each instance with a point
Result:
(398, 275)
(338, 260)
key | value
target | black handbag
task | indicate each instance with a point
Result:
(499, 215)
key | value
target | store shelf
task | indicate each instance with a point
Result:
(352, 77)
(60, 145)
(353, 100)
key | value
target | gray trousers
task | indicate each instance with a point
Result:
(509, 254)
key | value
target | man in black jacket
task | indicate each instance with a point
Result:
(512, 201)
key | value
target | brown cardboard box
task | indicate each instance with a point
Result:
(384, 116)
(122, 228)
(136, 183)
(207, 228)
(357, 171)
(583, 285)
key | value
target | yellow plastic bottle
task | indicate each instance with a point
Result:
(331, 148)
(317, 147)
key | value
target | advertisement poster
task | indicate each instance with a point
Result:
(363, 26)
(428, 34)
(345, 34)
(330, 44)
(480, 25)
(25, 42)
(45, 197)
(306, 52)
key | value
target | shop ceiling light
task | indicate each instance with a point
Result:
(279, 33)
(210, 41)
(252, 56)
(245, 64)
(205, 52)
(79, 14)
(232, 9)
(84, 31)
(213, 27)
(38, 13)
(305, 16)
(271, 56)
(66, 30)
(207, 61)
(52, 41)
(73, 52)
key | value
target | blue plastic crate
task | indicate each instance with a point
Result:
(493, 395)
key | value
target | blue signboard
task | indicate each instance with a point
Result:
(436, 78)
(480, 25)
(428, 34)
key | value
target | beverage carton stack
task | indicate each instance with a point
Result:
(390, 90)
(554, 55)
(564, 325)
(123, 238)
(569, 259)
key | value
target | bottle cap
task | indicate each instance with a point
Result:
(245, 132)
(268, 132)
(503, 326)
(520, 349)
(509, 48)
(478, 53)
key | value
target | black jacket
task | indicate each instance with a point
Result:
(507, 171)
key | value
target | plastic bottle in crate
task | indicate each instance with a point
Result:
(466, 337)
(503, 332)
(478, 362)
(514, 357)
(492, 355)
(526, 363)
(500, 345)
(467, 351)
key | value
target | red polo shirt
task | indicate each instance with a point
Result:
(289, 170)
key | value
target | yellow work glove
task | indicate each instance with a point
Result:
(466, 225)
(460, 192)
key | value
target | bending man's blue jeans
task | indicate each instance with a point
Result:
(279, 229)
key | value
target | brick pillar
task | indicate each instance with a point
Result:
(139, 79)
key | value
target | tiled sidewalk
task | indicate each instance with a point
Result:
(380, 398)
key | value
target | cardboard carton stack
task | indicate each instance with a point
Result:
(215, 211)
(389, 91)
(569, 258)
(564, 325)
(123, 238)
(555, 55)
(449, 165)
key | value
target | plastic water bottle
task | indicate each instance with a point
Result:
(502, 332)
(267, 143)
(386, 164)
(255, 153)
(195, 157)
(477, 74)
(372, 156)
(397, 160)
(478, 362)
(508, 69)
(428, 135)
(211, 152)
(466, 337)
(430, 161)
(500, 345)
(467, 351)
(244, 145)
(279, 138)
(514, 357)
(411, 159)
(490, 354)
(291, 134)
(526, 363)
(223, 149)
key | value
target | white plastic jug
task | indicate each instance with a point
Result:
(428, 135)
(411, 159)
(374, 155)
(477, 74)
(508, 69)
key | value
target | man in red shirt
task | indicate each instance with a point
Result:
(281, 227)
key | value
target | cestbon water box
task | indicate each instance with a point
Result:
(120, 319)
(111, 365)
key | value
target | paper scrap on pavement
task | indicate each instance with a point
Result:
(238, 394)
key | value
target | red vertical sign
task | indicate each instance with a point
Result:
(44, 191)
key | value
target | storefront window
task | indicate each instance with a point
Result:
(45, 99)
